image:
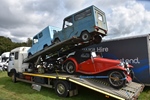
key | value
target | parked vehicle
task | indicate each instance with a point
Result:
(64, 84)
(0, 59)
(37, 71)
(43, 39)
(135, 50)
(4, 61)
(90, 63)
(87, 24)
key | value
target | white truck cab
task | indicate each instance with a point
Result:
(16, 58)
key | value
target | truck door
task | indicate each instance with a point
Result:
(11, 62)
(16, 62)
(68, 28)
(35, 44)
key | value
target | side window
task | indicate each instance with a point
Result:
(54, 31)
(16, 55)
(68, 22)
(35, 39)
(40, 35)
(83, 14)
(100, 17)
(11, 56)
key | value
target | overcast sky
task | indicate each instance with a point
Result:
(20, 19)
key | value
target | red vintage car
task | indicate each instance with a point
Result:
(90, 63)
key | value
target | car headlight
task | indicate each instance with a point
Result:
(126, 64)
(121, 64)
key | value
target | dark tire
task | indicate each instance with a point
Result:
(61, 88)
(50, 68)
(13, 77)
(70, 67)
(45, 46)
(56, 41)
(29, 55)
(85, 36)
(97, 39)
(117, 79)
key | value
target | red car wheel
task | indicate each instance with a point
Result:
(70, 67)
(117, 79)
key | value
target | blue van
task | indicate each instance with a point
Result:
(42, 39)
(87, 24)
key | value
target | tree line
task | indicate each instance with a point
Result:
(6, 44)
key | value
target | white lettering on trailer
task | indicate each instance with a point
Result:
(97, 49)
(102, 49)
(131, 61)
(89, 49)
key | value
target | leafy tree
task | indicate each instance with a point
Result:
(7, 45)
(29, 42)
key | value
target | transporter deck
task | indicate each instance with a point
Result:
(59, 49)
(129, 92)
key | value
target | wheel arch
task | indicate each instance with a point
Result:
(56, 39)
(74, 61)
(12, 71)
(29, 54)
(45, 45)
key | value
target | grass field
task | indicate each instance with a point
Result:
(23, 91)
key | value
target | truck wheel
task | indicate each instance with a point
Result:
(61, 88)
(70, 67)
(117, 79)
(13, 77)
(97, 39)
(85, 36)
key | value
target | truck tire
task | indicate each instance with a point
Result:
(13, 77)
(117, 79)
(62, 88)
(85, 36)
(70, 67)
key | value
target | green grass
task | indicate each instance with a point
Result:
(23, 91)
(145, 95)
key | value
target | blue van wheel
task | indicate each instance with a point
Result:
(56, 41)
(97, 39)
(85, 36)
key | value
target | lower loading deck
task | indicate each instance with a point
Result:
(129, 92)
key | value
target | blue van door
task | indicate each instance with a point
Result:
(68, 28)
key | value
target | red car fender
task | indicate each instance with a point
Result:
(130, 66)
(117, 68)
(73, 60)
